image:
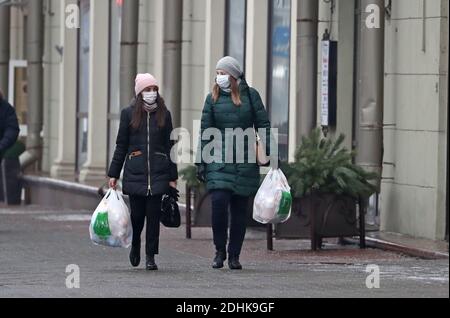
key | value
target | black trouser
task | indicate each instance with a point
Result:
(1, 182)
(221, 200)
(142, 208)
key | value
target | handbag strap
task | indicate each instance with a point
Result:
(252, 106)
(258, 139)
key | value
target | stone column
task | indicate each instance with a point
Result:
(64, 165)
(5, 15)
(214, 40)
(95, 168)
(256, 57)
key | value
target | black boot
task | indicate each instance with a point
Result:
(150, 264)
(135, 256)
(221, 256)
(233, 262)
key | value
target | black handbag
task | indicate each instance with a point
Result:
(170, 212)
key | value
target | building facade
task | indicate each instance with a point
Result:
(82, 84)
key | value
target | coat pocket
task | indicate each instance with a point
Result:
(157, 153)
(135, 163)
(160, 162)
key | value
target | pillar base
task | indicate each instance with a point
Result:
(93, 174)
(61, 169)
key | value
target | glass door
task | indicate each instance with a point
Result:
(83, 84)
(114, 106)
(279, 71)
(236, 29)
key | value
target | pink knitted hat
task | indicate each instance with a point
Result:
(143, 81)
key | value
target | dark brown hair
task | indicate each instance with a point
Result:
(235, 95)
(139, 113)
(1, 95)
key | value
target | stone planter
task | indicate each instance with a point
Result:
(321, 216)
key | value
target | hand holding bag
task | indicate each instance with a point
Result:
(260, 150)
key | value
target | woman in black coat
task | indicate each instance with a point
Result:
(144, 145)
(9, 126)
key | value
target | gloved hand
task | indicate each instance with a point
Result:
(201, 173)
(173, 193)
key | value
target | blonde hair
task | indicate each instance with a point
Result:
(235, 94)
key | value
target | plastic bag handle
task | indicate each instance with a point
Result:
(108, 193)
(280, 175)
(284, 180)
(115, 192)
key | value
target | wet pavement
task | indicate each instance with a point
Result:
(37, 244)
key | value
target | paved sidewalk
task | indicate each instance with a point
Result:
(37, 244)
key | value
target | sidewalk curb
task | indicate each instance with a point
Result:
(398, 248)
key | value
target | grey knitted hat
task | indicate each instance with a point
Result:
(231, 66)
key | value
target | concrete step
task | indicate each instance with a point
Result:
(411, 246)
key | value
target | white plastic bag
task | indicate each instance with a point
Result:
(273, 201)
(111, 222)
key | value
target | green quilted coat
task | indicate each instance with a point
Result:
(241, 178)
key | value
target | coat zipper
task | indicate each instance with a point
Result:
(149, 189)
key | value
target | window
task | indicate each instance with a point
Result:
(83, 84)
(114, 76)
(235, 29)
(279, 70)
(17, 94)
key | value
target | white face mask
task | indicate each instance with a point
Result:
(150, 97)
(223, 81)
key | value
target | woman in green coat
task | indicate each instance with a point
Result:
(231, 181)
